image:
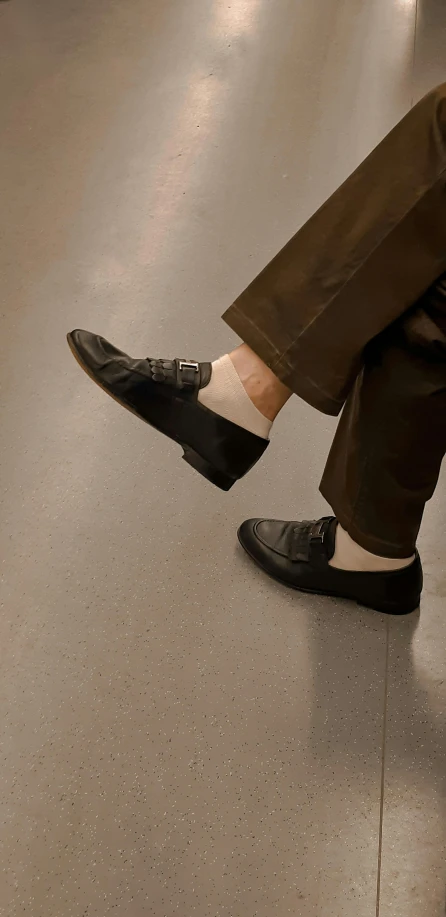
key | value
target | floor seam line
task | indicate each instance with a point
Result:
(383, 763)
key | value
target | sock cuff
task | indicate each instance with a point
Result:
(226, 395)
(253, 415)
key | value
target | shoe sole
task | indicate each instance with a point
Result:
(330, 595)
(193, 458)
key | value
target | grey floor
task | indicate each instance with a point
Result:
(179, 734)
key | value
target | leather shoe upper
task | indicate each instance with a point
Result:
(118, 371)
(164, 393)
(298, 554)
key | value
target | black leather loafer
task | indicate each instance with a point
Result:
(164, 393)
(297, 554)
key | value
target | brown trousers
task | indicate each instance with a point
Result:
(353, 312)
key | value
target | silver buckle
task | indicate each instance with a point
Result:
(185, 364)
(317, 534)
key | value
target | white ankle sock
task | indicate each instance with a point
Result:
(350, 556)
(226, 395)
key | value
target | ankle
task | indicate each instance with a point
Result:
(225, 395)
(264, 389)
(351, 556)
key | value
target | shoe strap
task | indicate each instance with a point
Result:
(193, 376)
(188, 374)
(309, 541)
(185, 375)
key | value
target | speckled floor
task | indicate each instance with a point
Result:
(180, 735)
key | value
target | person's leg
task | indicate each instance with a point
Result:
(353, 268)
(382, 468)
(356, 266)
(391, 438)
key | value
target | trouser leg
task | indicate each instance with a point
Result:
(391, 438)
(358, 264)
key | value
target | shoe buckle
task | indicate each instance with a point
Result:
(186, 364)
(317, 533)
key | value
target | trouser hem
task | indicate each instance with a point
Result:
(370, 542)
(297, 382)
